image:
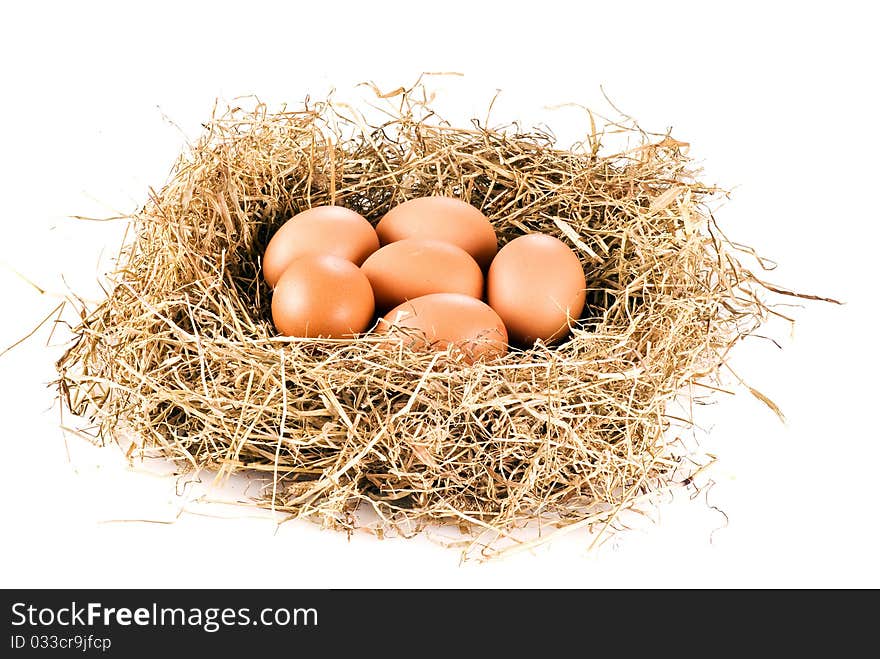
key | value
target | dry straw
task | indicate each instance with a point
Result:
(183, 357)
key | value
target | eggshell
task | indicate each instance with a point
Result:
(439, 320)
(414, 267)
(320, 230)
(322, 295)
(536, 284)
(446, 219)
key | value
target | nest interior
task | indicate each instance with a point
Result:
(182, 354)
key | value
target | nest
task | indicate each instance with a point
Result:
(182, 355)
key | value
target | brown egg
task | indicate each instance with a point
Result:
(320, 230)
(439, 320)
(536, 284)
(322, 295)
(414, 267)
(441, 218)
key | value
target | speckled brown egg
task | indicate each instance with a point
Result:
(446, 219)
(414, 267)
(320, 230)
(441, 320)
(536, 284)
(321, 295)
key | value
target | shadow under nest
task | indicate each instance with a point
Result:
(183, 357)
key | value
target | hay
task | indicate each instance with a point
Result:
(182, 354)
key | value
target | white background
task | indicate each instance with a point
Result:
(779, 103)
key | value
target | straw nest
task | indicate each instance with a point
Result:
(182, 355)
